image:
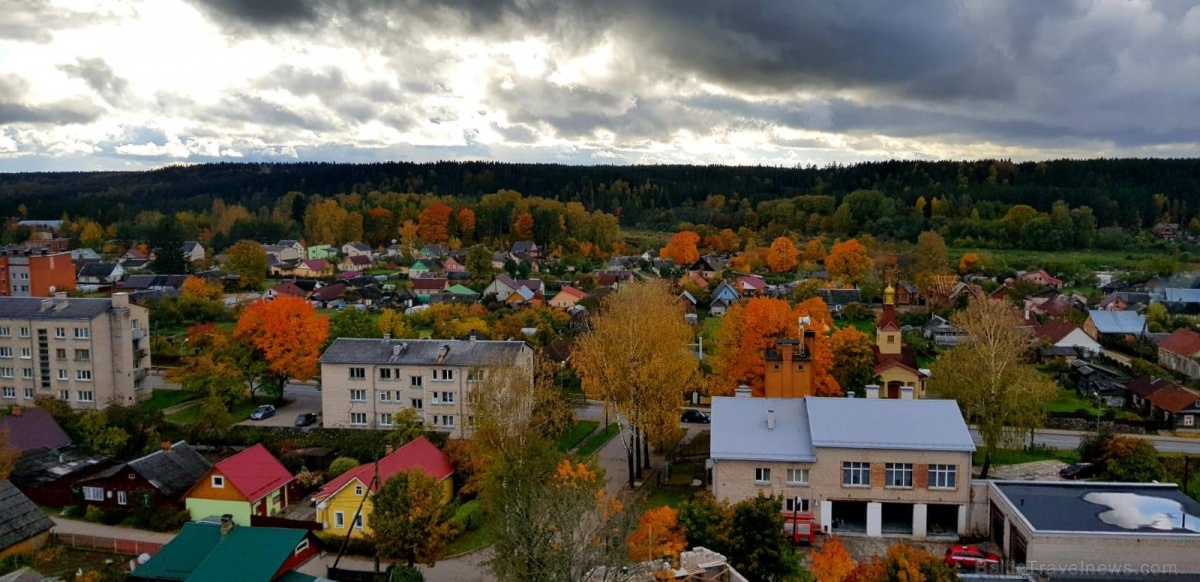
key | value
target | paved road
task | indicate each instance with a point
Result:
(63, 525)
(305, 397)
(1065, 439)
(467, 568)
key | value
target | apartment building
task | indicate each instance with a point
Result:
(366, 382)
(87, 352)
(870, 466)
(35, 273)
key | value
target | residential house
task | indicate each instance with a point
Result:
(944, 332)
(137, 255)
(1124, 301)
(50, 477)
(568, 296)
(453, 265)
(686, 299)
(1042, 278)
(286, 288)
(895, 360)
(750, 285)
(503, 286)
(498, 259)
(329, 295)
(313, 269)
(208, 551)
(838, 299)
(1066, 340)
(709, 267)
(693, 279)
(327, 252)
(907, 293)
(356, 249)
(345, 502)
(160, 479)
(355, 263)
(855, 465)
(250, 483)
(433, 251)
(524, 296)
(293, 250)
(366, 382)
(135, 265)
(1057, 306)
(718, 307)
(1124, 324)
(1166, 402)
(24, 527)
(725, 292)
(192, 251)
(29, 273)
(394, 250)
(1180, 352)
(525, 249)
(1179, 300)
(425, 268)
(1093, 380)
(29, 429)
(153, 282)
(89, 353)
(1166, 230)
(85, 254)
(614, 279)
(426, 286)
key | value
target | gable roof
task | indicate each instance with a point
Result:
(315, 264)
(1123, 322)
(924, 424)
(97, 269)
(20, 518)
(255, 472)
(1180, 295)
(33, 428)
(461, 290)
(888, 319)
(289, 288)
(171, 472)
(329, 292)
(429, 283)
(1047, 277)
(752, 281)
(523, 246)
(199, 553)
(569, 290)
(359, 260)
(417, 454)
(1054, 332)
(1163, 393)
(358, 246)
(739, 430)
(1183, 342)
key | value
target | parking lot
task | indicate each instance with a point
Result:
(304, 397)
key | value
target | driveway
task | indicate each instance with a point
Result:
(304, 397)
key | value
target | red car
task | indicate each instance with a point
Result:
(970, 557)
(800, 530)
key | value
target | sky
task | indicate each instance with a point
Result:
(138, 84)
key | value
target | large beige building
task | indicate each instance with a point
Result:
(365, 383)
(858, 465)
(88, 352)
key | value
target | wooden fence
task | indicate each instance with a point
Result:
(103, 544)
(269, 521)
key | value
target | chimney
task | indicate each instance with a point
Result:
(397, 349)
(770, 419)
(442, 356)
(872, 390)
(387, 336)
(471, 337)
(16, 411)
(120, 300)
(47, 304)
(906, 392)
(226, 524)
(387, 450)
(166, 446)
(742, 392)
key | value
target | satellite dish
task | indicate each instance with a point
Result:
(143, 558)
(53, 288)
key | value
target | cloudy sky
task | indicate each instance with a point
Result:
(130, 84)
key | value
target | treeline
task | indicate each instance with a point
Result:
(964, 200)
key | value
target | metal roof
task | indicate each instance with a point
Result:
(200, 553)
(1117, 321)
(410, 352)
(739, 430)
(880, 423)
(31, 308)
(1180, 295)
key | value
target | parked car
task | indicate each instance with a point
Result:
(263, 412)
(1080, 471)
(970, 557)
(306, 418)
(695, 416)
(799, 531)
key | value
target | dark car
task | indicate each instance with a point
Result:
(970, 557)
(306, 418)
(695, 416)
(263, 412)
(1080, 471)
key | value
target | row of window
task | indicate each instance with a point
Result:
(59, 332)
(387, 419)
(10, 393)
(27, 374)
(437, 375)
(358, 395)
(59, 354)
(857, 474)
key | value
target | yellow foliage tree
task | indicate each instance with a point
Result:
(849, 261)
(783, 256)
(832, 563)
(682, 248)
(658, 535)
(969, 263)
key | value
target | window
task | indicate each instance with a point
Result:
(762, 475)
(385, 396)
(474, 375)
(1188, 420)
(358, 396)
(943, 477)
(82, 333)
(82, 355)
(358, 373)
(10, 392)
(435, 398)
(856, 474)
(218, 482)
(62, 375)
(5, 352)
(29, 393)
(358, 490)
(385, 373)
(60, 332)
(301, 547)
(24, 332)
(26, 353)
(358, 521)
(385, 419)
(339, 520)
(448, 421)
(444, 375)
(60, 354)
(418, 404)
(5, 332)
(358, 418)
(415, 381)
(85, 396)
(6, 373)
(898, 475)
(797, 476)
(64, 395)
(790, 505)
(83, 375)
(121, 498)
(470, 421)
(447, 398)
(891, 339)
(93, 494)
(27, 373)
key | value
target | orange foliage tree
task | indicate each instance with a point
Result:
(832, 563)
(904, 562)
(198, 288)
(657, 535)
(814, 251)
(749, 329)
(522, 227)
(466, 223)
(288, 333)
(849, 261)
(783, 256)
(682, 248)
(969, 263)
(433, 225)
(853, 358)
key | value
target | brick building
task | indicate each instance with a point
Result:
(35, 273)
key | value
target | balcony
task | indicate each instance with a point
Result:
(137, 333)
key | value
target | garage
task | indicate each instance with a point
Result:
(942, 520)
(896, 519)
(849, 517)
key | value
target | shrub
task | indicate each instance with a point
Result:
(858, 312)
(1091, 446)
(406, 574)
(341, 465)
(75, 511)
(165, 519)
(93, 514)
(468, 515)
(14, 562)
(292, 461)
(357, 546)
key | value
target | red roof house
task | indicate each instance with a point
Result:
(1041, 277)
(250, 483)
(1181, 352)
(286, 288)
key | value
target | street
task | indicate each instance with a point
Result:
(1065, 439)
(305, 397)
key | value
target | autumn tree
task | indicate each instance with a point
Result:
(8, 454)
(814, 251)
(213, 367)
(465, 220)
(1128, 459)
(394, 325)
(848, 261)
(658, 535)
(409, 239)
(832, 563)
(470, 465)
(287, 333)
(351, 323)
(479, 263)
(214, 421)
(637, 357)
(931, 259)
(411, 521)
(406, 427)
(325, 223)
(969, 263)
(433, 225)
(247, 260)
(92, 235)
(522, 227)
(749, 328)
(682, 248)
(989, 374)
(783, 256)
(756, 548)
(907, 563)
(853, 359)
(99, 436)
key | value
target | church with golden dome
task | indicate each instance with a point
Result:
(895, 361)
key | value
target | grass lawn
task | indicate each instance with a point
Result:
(1069, 401)
(865, 326)
(163, 398)
(1093, 259)
(479, 537)
(1018, 456)
(575, 435)
(239, 413)
(681, 474)
(668, 496)
(699, 445)
(709, 327)
(598, 440)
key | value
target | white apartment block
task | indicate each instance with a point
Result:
(365, 383)
(89, 353)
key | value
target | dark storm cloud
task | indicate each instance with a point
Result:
(15, 109)
(98, 75)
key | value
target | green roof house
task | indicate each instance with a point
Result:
(219, 551)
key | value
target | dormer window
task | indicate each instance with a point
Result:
(218, 482)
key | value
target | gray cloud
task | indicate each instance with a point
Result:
(99, 76)
(15, 109)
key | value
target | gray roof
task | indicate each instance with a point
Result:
(421, 352)
(1096, 507)
(739, 430)
(1117, 321)
(31, 308)
(20, 519)
(173, 472)
(881, 423)
(27, 575)
(1178, 295)
(97, 269)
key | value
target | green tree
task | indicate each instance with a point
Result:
(411, 520)
(247, 260)
(756, 547)
(1130, 459)
(341, 465)
(351, 323)
(168, 248)
(99, 437)
(214, 421)
(407, 427)
(706, 521)
(479, 263)
(1158, 319)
